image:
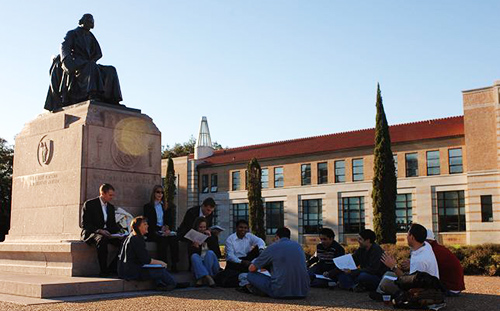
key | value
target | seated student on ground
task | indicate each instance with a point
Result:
(421, 259)
(289, 277)
(451, 272)
(205, 257)
(367, 258)
(322, 261)
(133, 255)
(241, 248)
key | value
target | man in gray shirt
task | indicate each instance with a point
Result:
(287, 261)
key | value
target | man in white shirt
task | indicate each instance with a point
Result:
(421, 258)
(241, 248)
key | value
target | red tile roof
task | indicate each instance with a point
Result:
(400, 133)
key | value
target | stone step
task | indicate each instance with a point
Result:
(50, 286)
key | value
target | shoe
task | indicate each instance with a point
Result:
(210, 281)
(243, 289)
(332, 284)
(104, 274)
(199, 282)
(183, 285)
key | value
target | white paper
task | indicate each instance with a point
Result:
(118, 235)
(265, 272)
(321, 276)
(196, 236)
(390, 277)
(152, 266)
(345, 262)
(217, 228)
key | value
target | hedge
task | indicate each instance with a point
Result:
(475, 259)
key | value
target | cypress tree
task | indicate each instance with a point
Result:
(169, 186)
(255, 206)
(384, 179)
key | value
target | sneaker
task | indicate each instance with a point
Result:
(332, 284)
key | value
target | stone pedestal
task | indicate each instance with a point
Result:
(60, 160)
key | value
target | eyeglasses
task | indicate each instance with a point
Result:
(159, 191)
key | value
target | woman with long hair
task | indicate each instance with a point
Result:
(134, 255)
(161, 220)
(205, 257)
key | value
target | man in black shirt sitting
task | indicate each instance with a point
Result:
(322, 261)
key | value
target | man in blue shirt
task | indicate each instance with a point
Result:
(287, 261)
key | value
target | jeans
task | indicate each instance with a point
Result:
(320, 268)
(160, 276)
(369, 281)
(261, 282)
(204, 266)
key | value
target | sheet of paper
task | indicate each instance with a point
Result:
(345, 262)
(390, 277)
(118, 235)
(152, 266)
(265, 272)
(196, 236)
(321, 276)
(217, 228)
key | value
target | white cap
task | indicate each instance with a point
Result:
(430, 235)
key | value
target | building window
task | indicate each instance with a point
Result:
(395, 157)
(275, 217)
(312, 221)
(264, 178)
(340, 171)
(411, 164)
(486, 208)
(433, 163)
(353, 214)
(278, 177)
(236, 181)
(322, 173)
(240, 211)
(455, 160)
(246, 179)
(305, 174)
(215, 218)
(451, 211)
(403, 212)
(204, 183)
(214, 180)
(357, 170)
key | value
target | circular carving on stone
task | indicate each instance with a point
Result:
(122, 159)
(45, 151)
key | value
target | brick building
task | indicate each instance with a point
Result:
(447, 169)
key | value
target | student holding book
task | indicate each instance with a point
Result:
(204, 256)
(133, 256)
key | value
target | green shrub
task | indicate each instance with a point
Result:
(475, 259)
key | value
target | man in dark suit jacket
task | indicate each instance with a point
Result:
(98, 223)
(206, 209)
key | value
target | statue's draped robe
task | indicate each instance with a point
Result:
(75, 75)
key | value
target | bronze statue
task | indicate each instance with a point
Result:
(75, 75)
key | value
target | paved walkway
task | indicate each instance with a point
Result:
(483, 293)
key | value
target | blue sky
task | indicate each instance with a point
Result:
(260, 71)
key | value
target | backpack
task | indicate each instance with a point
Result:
(419, 290)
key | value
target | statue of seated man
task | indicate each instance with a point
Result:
(75, 74)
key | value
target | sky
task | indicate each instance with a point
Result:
(260, 71)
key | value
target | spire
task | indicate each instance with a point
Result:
(203, 148)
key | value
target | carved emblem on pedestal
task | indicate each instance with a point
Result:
(45, 151)
(122, 159)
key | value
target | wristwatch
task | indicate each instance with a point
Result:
(395, 267)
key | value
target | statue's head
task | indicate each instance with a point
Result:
(87, 21)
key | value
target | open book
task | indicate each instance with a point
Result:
(196, 236)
